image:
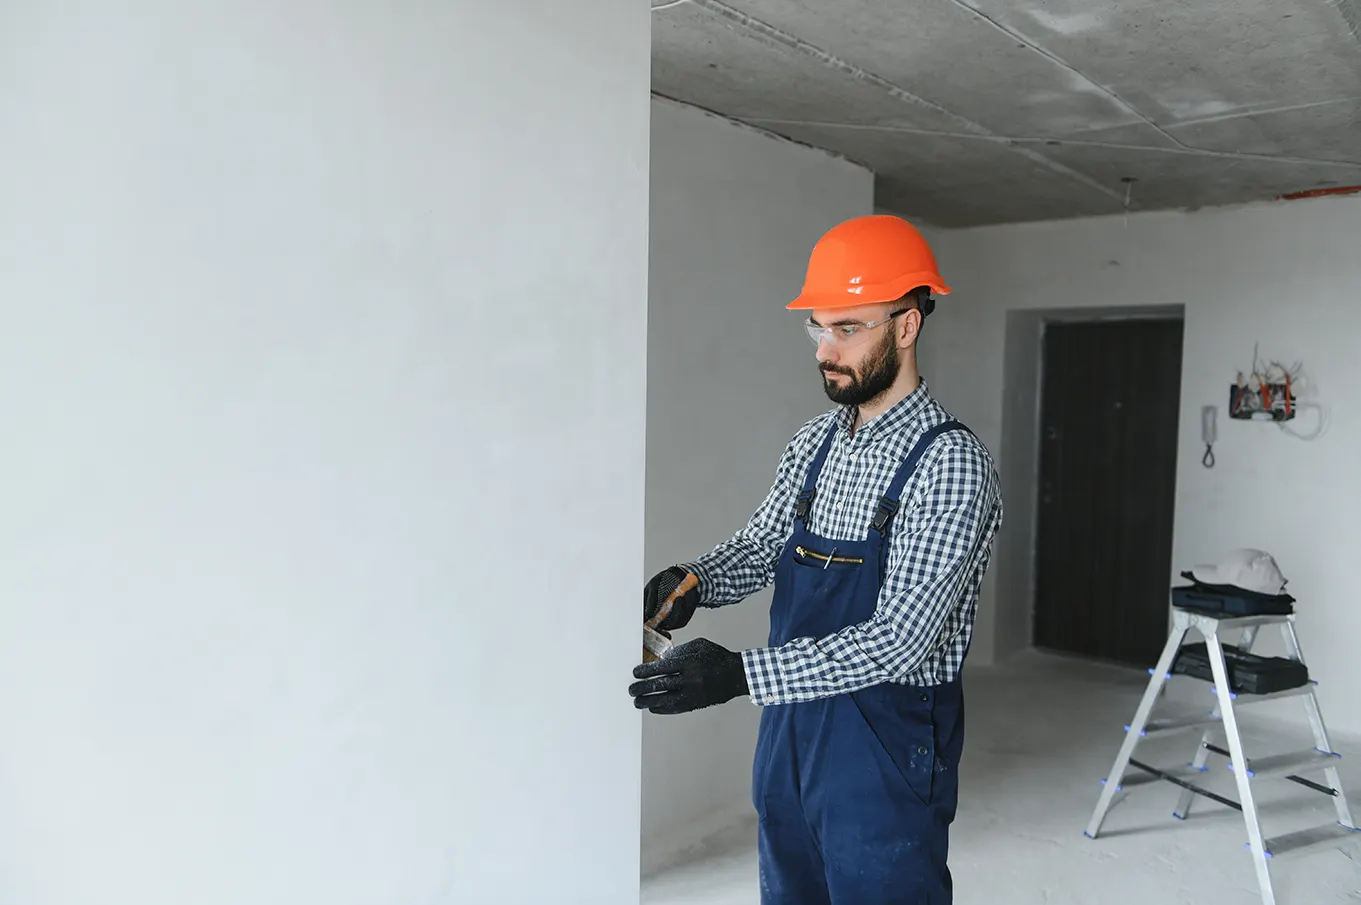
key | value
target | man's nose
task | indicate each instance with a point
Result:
(827, 352)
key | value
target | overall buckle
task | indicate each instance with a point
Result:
(884, 514)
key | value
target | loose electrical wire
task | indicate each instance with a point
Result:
(1319, 430)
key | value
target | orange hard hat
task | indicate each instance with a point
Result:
(876, 258)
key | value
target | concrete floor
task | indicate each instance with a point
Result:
(1042, 732)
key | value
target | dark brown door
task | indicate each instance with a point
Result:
(1108, 468)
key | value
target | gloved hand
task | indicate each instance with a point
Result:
(665, 584)
(692, 675)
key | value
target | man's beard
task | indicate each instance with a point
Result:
(877, 375)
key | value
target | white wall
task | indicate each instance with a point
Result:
(731, 376)
(1286, 275)
(322, 374)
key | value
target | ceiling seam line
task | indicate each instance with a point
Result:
(756, 127)
(1077, 136)
(1059, 61)
(770, 32)
(1110, 145)
(1221, 155)
(831, 61)
(1261, 111)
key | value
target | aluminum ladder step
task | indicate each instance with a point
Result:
(1228, 623)
(1175, 724)
(1315, 835)
(1242, 697)
(1294, 762)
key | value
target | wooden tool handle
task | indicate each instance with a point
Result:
(688, 584)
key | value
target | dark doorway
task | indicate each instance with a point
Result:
(1108, 469)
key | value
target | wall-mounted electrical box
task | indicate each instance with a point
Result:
(1276, 394)
(1259, 401)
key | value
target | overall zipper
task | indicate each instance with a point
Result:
(824, 558)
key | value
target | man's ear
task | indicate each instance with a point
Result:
(910, 327)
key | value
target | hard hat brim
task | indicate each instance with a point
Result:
(852, 297)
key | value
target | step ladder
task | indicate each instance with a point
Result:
(1320, 759)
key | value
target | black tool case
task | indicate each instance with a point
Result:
(1231, 601)
(1248, 673)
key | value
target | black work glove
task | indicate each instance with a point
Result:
(692, 675)
(664, 585)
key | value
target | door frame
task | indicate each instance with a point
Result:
(1022, 390)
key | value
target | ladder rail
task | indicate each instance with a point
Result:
(1160, 673)
(1321, 740)
(1256, 841)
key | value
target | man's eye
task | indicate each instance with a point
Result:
(847, 330)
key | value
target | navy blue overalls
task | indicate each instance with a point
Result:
(855, 792)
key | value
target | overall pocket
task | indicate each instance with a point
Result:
(902, 726)
(806, 555)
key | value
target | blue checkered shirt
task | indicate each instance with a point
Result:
(940, 547)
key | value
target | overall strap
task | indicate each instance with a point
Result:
(804, 503)
(889, 502)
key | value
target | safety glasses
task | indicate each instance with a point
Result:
(846, 335)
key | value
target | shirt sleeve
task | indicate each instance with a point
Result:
(746, 562)
(936, 546)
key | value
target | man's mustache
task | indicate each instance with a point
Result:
(833, 369)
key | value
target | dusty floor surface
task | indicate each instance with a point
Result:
(1042, 732)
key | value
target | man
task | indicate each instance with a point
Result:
(877, 533)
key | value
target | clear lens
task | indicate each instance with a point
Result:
(844, 335)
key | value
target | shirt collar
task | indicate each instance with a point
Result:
(907, 410)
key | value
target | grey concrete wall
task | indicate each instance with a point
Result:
(322, 362)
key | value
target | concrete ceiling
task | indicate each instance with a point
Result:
(992, 111)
